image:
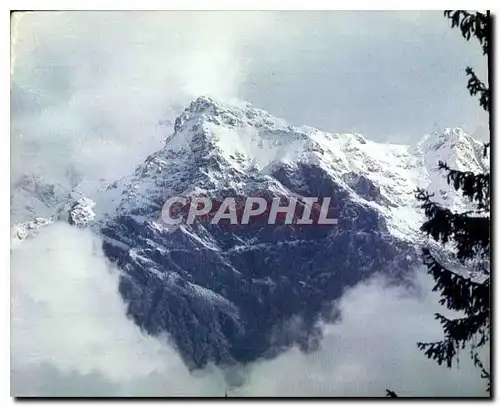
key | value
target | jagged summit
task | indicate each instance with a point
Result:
(220, 146)
(235, 146)
(234, 113)
(239, 127)
(455, 147)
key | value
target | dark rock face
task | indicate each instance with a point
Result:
(363, 187)
(81, 213)
(224, 292)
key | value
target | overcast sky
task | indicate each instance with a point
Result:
(90, 87)
(392, 76)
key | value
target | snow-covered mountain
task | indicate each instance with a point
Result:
(225, 292)
(32, 196)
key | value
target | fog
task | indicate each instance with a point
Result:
(70, 336)
(95, 91)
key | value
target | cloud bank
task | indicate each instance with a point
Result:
(69, 331)
(70, 337)
(90, 89)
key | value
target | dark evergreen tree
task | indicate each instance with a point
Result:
(390, 394)
(468, 233)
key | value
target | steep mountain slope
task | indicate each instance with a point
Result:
(37, 203)
(228, 293)
(34, 203)
(457, 149)
(32, 196)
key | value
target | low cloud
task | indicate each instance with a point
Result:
(96, 91)
(69, 331)
(89, 89)
(70, 336)
(372, 347)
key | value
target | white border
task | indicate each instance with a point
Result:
(249, 5)
(166, 5)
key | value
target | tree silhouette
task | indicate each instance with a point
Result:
(474, 25)
(390, 394)
(468, 233)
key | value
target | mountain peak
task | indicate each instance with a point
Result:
(233, 113)
(205, 283)
(455, 147)
(232, 145)
(449, 137)
(203, 105)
